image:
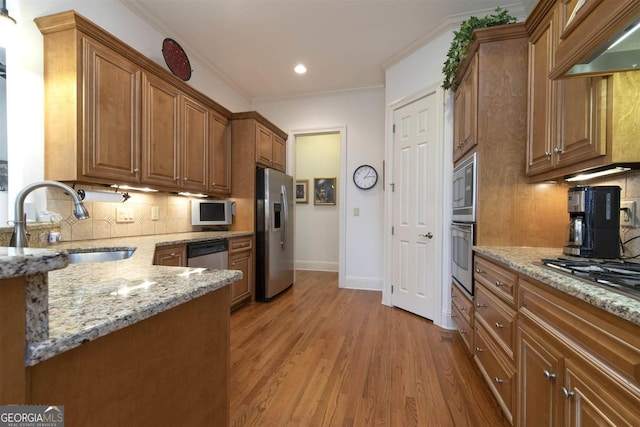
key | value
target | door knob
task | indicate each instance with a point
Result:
(428, 235)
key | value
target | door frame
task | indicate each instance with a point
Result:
(444, 118)
(342, 187)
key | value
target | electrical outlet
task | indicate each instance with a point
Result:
(155, 213)
(124, 215)
(356, 211)
(628, 214)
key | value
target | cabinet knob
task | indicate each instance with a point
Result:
(547, 154)
(479, 350)
(213, 183)
(462, 331)
(481, 305)
(462, 308)
(498, 380)
(173, 254)
(499, 325)
(185, 178)
(176, 178)
(479, 271)
(499, 283)
(566, 393)
(136, 170)
(557, 150)
(549, 375)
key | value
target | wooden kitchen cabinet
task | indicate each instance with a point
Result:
(175, 138)
(577, 123)
(219, 154)
(578, 364)
(171, 255)
(463, 315)
(252, 141)
(495, 318)
(241, 258)
(114, 116)
(270, 148)
(465, 111)
(92, 129)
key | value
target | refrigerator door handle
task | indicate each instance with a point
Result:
(285, 208)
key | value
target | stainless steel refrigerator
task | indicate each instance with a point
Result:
(274, 233)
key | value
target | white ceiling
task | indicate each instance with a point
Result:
(253, 45)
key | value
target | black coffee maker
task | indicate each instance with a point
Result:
(594, 226)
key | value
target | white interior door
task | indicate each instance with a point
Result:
(415, 242)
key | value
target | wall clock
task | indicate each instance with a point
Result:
(176, 59)
(365, 177)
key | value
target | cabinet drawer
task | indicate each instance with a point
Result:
(496, 370)
(463, 327)
(498, 318)
(240, 244)
(464, 305)
(496, 278)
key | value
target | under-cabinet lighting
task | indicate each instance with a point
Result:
(128, 187)
(598, 174)
(627, 34)
(187, 194)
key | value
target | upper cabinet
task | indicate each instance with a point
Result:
(465, 111)
(579, 123)
(270, 148)
(113, 116)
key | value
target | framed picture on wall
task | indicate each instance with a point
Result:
(324, 192)
(302, 191)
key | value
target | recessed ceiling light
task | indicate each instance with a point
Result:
(300, 69)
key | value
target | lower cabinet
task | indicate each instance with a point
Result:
(578, 366)
(171, 255)
(241, 258)
(462, 313)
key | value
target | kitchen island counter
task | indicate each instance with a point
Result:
(77, 303)
(527, 261)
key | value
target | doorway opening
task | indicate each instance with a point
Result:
(319, 163)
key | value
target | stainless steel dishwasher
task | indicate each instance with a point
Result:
(209, 254)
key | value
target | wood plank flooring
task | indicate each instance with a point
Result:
(323, 356)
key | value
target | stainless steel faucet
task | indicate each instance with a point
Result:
(19, 235)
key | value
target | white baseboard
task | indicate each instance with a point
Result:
(363, 283)
(317, 266)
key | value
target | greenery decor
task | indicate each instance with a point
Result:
(458, 50)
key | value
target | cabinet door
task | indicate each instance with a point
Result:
(540, 110)
(539, 378)
(465, 111)
(581, 120)
(195, 146)
(173, 256)
(242, 289)
(219, 155)
(112, 101)
(279, 149)
(594, 398)
(160, 132)
(264, 146)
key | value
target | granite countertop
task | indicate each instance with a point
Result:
(526, 260)
(87, 301)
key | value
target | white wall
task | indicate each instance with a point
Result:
(416, 73)
(362, 112)
(317, 226)
(25, 87)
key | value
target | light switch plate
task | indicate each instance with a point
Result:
(124, 215)
(155, 213)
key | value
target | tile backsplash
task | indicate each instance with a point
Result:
(174, 215)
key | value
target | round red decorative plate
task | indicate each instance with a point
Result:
(176, 59)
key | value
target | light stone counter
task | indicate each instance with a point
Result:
(526, 260)
(82, 302)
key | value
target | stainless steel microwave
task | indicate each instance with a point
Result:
(465, 177)
(212, 212)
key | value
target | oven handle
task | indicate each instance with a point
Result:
(465, 228)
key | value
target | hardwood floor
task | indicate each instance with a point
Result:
(323, 356)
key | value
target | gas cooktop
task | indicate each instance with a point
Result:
(618, 275)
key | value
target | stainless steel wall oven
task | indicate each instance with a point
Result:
(462, 241)
(464, 217)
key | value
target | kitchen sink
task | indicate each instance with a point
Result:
(77, 256)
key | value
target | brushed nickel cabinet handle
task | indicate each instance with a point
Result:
(479, 271)
(479, 349)
(499, 325)
(549, 375)
(498, 380)
(481, 305)
(566, 393)
(557, 150)
(499, 283)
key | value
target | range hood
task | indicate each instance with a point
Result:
(621, 52)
